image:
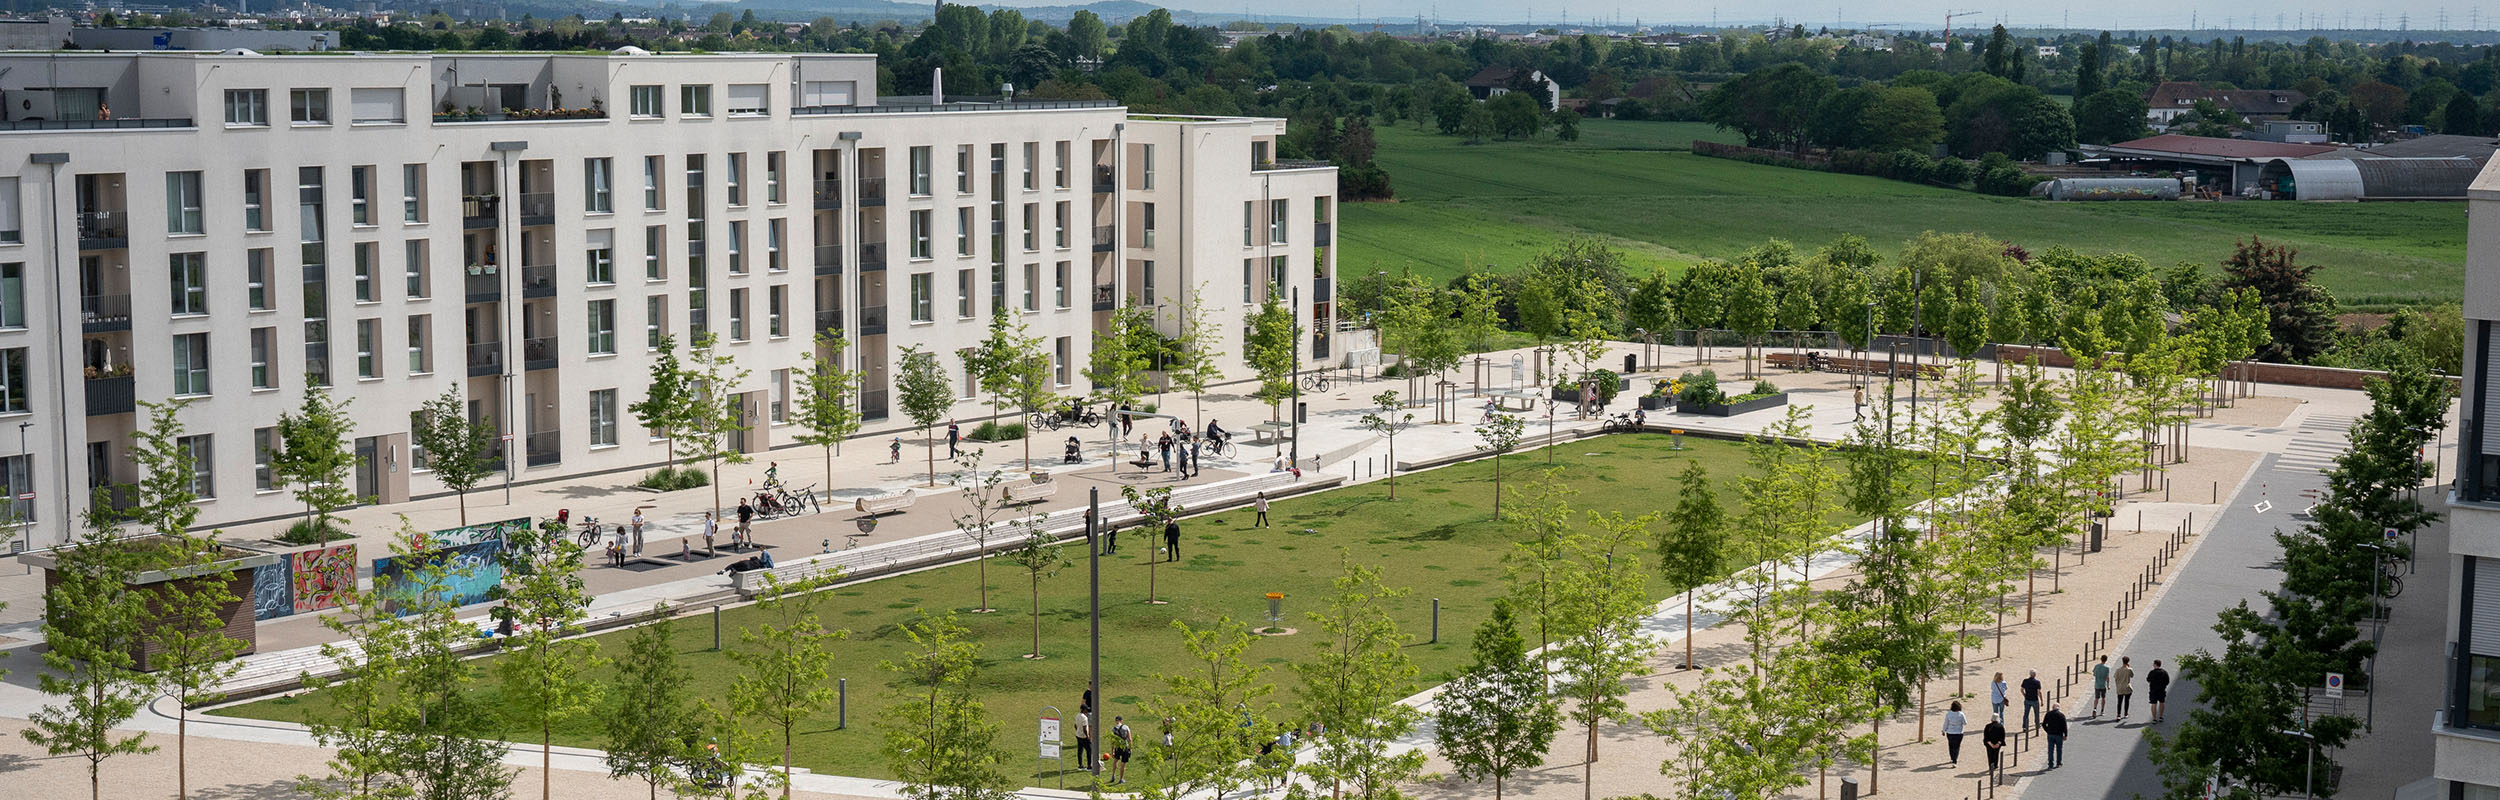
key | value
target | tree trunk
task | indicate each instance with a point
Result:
(1875, 766)
(929, 447)
(464, 508)
(182, 755)
(1688, 629)
(828, 451)
(546, 761)
(1037, 616)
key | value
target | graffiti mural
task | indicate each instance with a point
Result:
(471, 561)
(270, 598)
(322, 578)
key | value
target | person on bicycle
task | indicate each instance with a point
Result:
(1216, 432)
(772, 475)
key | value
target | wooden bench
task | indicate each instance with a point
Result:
(1030, 492)
(889, 504)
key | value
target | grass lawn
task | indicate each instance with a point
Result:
(1637, 185)
(1435, 539)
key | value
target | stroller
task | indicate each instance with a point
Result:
(1071, 456)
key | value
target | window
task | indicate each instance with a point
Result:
(1276, 275)
(963, 169)
(963, 294)
(1249, 278)
(203, 465)
(654, 321)
(191, 363)
(920, 233)
(13, 386)
(603, 327)
(247, 107)
(17, 480)
(12, 295)
(920, 171)
(1147, 230)
(308, 202)
(368, 340)
(189, 282)
(1249, 221)
(603, 418)
(780, 408)
(308, 106)
(255, 200)
(694, 100)
(182, 203)
(1059, 225)
(360, 195)
(264, 342)
(412, 193)
(1147, 270)
(749, 100)
(654, 245)
(772, 245)
(420, 359)
(418, 268)
(1060, 354)
(264, 445)
(737, 315)
(1032, 287)
(256, 279)
(922, 304)
(599, 258)
(1032, 166)
(694, 186)
(736, 180)
(1276, 221)
(377, 106)
(645, 101)
(775, 299)
(1059, 166)
(963, 231)
(1059, 282)
(773, 167)
(737, 247)
(598, 195)
(366, 254)
(1147, 175)
(1032, 227)
(652, 198)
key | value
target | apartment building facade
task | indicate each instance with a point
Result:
(2466, 728)
(230, 229)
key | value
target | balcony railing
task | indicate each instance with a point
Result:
(538, 353)
(829, 259)
(538, 281)
(871, 320)
(485, 358)
(1321, 231)
(104, 312)
(113, 395)
(545, 447)
(871, 256)
(538, 208)
(829, 321)
(1106, 297)
(103, 229)
(828, 194)
(1103, 180)
(871, 192)
(1288, 163)
(93, 124)
(483, 284)
(479, 210)
(1103, 239)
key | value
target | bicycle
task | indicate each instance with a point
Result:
(1317, 381)
(1220, 447)
(1619, 422)
(1045, 422)
(590, 531)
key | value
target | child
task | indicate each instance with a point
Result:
(894, 451)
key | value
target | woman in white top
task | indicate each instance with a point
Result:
(1954, 724)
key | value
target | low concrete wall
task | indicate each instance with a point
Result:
(2259, 371)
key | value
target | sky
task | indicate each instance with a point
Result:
(1924, 14)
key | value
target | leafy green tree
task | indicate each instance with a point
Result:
(1475, 122)
(1158, 509)
(669, 399)
(926, 397)
(1501, 435)
(1273, 347)
(714, 415)
(993, 363)
(1515, 116)
(785, 664)
(1689, 544)
(2247, 703)
(1479, 311)
(459, 450)
(185, 625)
(647, 718)
(93, 623)
(1700, 295)
(1197, 364)
(1385, 420)
(1771, 107)
(2088, 77)
(1603, 598)
(1542, 517)
(1651, 306)
(546, 665)
(316, 458)
(826, 414)
(1217, 710)
(1041, 558)
(1352, 687)
(1966, 322)
(1495, 720)
(938, 738)
(2299, 313)
(984, 501)
(2109, 116)
(1750, 310)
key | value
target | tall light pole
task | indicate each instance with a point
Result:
(2309, 771)
(1295, 313)
(1093, 586)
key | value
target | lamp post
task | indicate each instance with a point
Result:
(1870, 329)
(2309, 769)
(1093, 586)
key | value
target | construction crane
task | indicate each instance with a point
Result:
(1949, 16)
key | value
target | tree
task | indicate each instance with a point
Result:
(1501, 435)
(2299, 313)
(1353, 685)
(1603, 597)
(1120, 360)
(186, 628)
(714, 415)
(1750, 310)
(1196, 364)
(1479, 311)
(825, 391)
(2109, 115)
(938, 739)
(2247, 704)
(785, 664)
(668, 399)
(1495, 720)
(1651, 305)
(1770, 107)
(1515, 115)
(1272, 344)
(1966, 321)
(459, 450)
(647, 720)
(545, 668)
(1689, 554)
(2462, 117)
(1475, 122)
(316, 458)
(1156, 506)
(1040, 557)
(92, 625)
(1385, 420)
(2088, 78)
(926, 397)
(993, 363)
(981, 494)
(1543, 517)
(1217, 711)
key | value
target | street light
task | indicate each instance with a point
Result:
(2309, 770)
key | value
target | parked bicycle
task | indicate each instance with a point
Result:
(1317, 381)
(1620, 423)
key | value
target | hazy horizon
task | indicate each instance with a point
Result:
(1901, 14)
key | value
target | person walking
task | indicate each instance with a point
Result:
(1163, 447)
(710, 527)
(2031, 699)
(954, 440)
(1085, 737)
(1858, 396)
(2054, 724)
(1126, 424)
(1259, 504)
(1996, 697)
(2100, 687)
(1993, 738)
(746, 522)
(2125, 679)
(1120, 737)
(2156, 689)
(1110, 539)
(1954, 725)
(637, 531)
(1172, 539)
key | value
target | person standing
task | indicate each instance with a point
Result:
(1259, 504)
(1110, 539)
(1993, 738)
(2054, 724)
(1163, 448)
(2100, 687)
(2156, 689)
(2031, 699)
(1996, 697)
(954, 440)
(1119, 749)
(710, 527)
(1085, 737)
(2125, 679)
(1172, 539)
(637, 531)
(1954, 725)
(1195, 466)
(746, 523)
(1858, 395)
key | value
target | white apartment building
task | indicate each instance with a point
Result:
(229, 228)
(2466, 728)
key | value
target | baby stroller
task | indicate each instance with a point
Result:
(1071, 456)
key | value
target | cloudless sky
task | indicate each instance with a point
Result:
(1918, 14)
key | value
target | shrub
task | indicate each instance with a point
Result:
(305, 531)
(1393, 371)
(994, 432)
(669, 479)
(2006, 181)
(1608, 383)
(1950, 172)
(1765, 387)
(1700, 389)
(1911, 165)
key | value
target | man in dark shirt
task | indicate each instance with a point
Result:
(2031, 699)
(1994, 738)
(2157, 689)
(2054, 724)
(1171, 540)
(954, 437)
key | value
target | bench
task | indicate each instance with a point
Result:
(889, 504)
(1030, 492)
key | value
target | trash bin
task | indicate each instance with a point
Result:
(1302, 412)
(2096, 538)
(1848, 789)
(1631, 363)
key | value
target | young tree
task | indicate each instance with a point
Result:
(714, 414)
(1495, 720)
(545, 668)
(1603, 597)
(985, 501)
(1480, 311)
(1501, 435)
(1689, 546)
(1750, 310)
(938, 739)
(457, 448)
(1120, 360)
(1032, 388)
(1272, 346)
(926, 397)
(1196, 363)
(316, 457)
(1352, 687)
(1543, 519)
(647, 717)
(1041, 558)
(1386, 421)
(1217, 710)
(668, 399)
(825, 410)
(1156, 506)
(785, 664)
(92, 625)
(187, 624)
(993, 363)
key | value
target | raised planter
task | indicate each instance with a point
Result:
(233, 567)
(1567, 395)
(1652, 402)
(1733, 409)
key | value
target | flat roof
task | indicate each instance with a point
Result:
(2210, 147)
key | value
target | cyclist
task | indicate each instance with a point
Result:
(1216, 432)
(772, 475)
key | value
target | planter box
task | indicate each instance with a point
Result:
(1567, 395)
(1729, 410)
(1651, 402)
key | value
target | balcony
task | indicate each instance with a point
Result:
(1104, 240)
(1323, 233)
(98, 313)
(871, 192)
(1106, 297)
(538, 281)
(485, 358)
(94, 124)
(479, 210)
(538, 353)
(113, 395)
(1288, 163)
(828, 194)
(484, 284)
(829, 321)
(103, 230)
(1102, 180)
(1319, 289)
(1319, 344)
(538, 208)
(872, 321)
(872, 404)
(829, 259)
(544, 448)
(871, 256)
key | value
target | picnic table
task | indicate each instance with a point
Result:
(1274, 431)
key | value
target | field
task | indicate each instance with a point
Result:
(1637, 185)
(1436, 539)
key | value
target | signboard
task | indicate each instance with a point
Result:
(2335, 686)
(1050, 737)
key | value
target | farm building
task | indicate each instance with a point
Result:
(2330, 178)
(2426, 168)
(2224, 164)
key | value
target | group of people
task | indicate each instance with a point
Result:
(2038, 710)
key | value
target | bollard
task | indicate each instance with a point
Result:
(842, 703)
(716, 627)
(1436, 620)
